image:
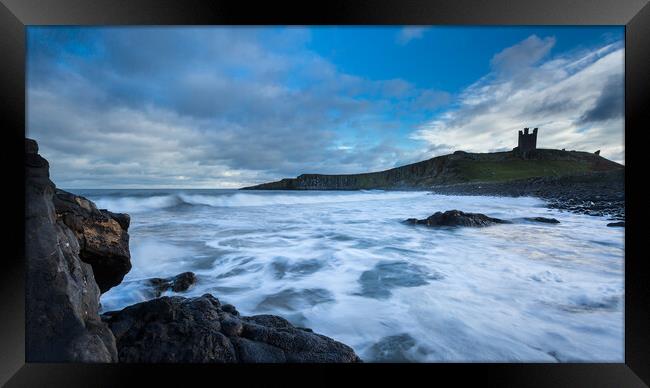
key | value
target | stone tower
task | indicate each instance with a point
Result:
(527, 141)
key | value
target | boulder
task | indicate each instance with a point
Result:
(542, 219)
(617, 224)
(179, 283)
(61, 296)
(457, 218)
(201, 330)
(102, 236)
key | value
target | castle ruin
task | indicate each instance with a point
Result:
(527, 141)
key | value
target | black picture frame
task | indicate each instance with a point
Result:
(15, 15)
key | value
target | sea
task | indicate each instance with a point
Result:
(345, 265)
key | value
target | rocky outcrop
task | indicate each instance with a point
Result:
(202, 330)
(457, 218)
(62, 298)
(179, 283)
(102, 236)
(74, 251)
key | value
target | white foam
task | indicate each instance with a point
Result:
(139, 204)
(136, 204)
(518, 292)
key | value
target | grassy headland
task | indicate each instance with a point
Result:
(459, 167)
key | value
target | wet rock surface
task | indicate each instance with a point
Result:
(385, 276)
(61, 296)
(282, 268)
(201, 330)
(394, 348)
(102, 236)
(179, 283)
(543, 220)
(457, 218)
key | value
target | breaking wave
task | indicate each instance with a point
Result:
(141, 203)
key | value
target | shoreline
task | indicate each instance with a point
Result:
(86, 250)
(595, 194)
(75, 252)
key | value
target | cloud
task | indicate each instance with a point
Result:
(575, 99)
(522, 55)
(226, 107)
(229, 107)
(609, 105)
(407, 34)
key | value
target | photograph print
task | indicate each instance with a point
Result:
(325, 194)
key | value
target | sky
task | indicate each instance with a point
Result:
(227, 107)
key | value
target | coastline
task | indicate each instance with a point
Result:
(596, 193)
(75, 252)
(176, 328)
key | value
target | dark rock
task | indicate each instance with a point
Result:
(257, 352)
(178, 283)
(231, 326)
(61, 296)
(102, 235)
(230, 309)
(617, 224)
(543, 219)
(457, 218)
(122, 218)
(198, 330)
(393, 348)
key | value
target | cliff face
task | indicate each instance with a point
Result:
(459, 167)
(62, 296)
(102, 236)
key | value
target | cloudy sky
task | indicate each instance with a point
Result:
(220, 107)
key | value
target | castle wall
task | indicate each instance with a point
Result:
(527, 141)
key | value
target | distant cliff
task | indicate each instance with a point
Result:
(459, 167)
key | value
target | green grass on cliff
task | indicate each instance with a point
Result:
(460, 167)
(484, 171)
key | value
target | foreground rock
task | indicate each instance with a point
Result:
(61, 296)
(620, 224)
(102, 236)
(201, 330)
(457, 218)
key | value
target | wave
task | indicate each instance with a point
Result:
(135, 204)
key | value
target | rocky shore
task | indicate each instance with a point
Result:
(75, 252)
(594, 193)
